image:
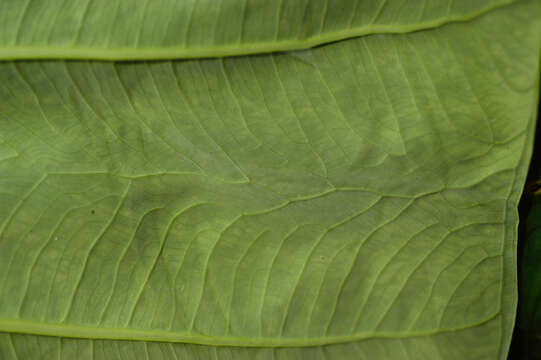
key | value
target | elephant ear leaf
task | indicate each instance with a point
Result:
(352, 200)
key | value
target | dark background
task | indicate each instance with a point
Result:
(526, 345)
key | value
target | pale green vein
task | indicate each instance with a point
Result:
(84, 332)
(154, 53)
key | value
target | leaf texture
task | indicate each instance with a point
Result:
(120, 30)
(352, 201)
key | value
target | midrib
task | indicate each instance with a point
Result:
(168, 53)
(88, 332)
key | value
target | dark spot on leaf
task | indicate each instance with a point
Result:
(92, 212)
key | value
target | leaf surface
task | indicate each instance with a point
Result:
(355, 200)
(166, 29)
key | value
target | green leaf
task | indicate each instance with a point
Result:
(352, 201)
(166, 29)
